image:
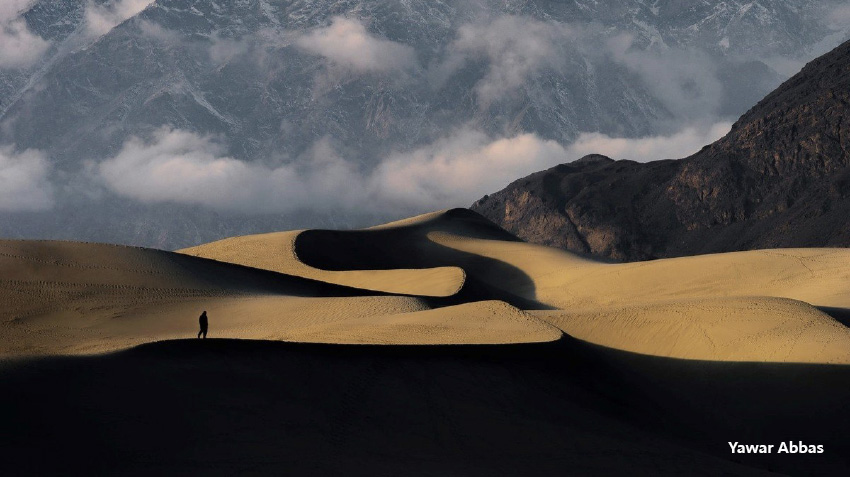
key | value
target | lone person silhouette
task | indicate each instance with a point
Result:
(204, 324)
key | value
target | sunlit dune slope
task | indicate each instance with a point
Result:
(720, 329)
(448, 277)
(820, 277)
(396, 258)
(690, 307)
(483, 322)
(276, 252)
(66, 297)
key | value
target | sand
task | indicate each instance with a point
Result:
(448, 277)
(276, 252)
(438, 344)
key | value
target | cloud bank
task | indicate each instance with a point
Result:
(347, 44)
(182, 167)
(24, 183)
(675, 146)
(457, 170)
(19, 47)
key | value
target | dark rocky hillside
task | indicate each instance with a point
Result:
(780, 178)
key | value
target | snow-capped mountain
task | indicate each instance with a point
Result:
(172, 122)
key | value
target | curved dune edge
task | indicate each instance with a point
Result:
(65, 297)
(761, 329)
(484, 322)
(276, 252)
(75, 298)
(390, 320)
(819, 276)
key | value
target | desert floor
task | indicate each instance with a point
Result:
(438, 345)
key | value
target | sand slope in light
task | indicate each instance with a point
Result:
(765, 329)
(276, 252)
(68, 298)
(483, 322)
(690, 307)
(443, 278)
(820, 277)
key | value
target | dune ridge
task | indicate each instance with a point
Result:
(448, 277)
(681, 308)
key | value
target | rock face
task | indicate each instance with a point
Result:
(780, 178)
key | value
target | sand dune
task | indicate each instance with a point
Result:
(683, 307)
(226, 407)
(598, 368)
(276, 252)
(64, 297)
(443, 278)
(483, 322)
(820, 277)
(722, 329)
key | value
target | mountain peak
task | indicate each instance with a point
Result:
(780, 178)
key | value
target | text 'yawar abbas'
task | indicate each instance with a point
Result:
(784, 448)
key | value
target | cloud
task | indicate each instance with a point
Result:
(459, 169)
(838, 17)
(685, 81)
(514, 47)
(19, 47)
(183, 167)
(24, 183)
(222, 50)
(158, 33)
(101, 18)
(678, 145)
(346, 44)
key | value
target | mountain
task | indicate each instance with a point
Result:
(779, 178)
(268, 86)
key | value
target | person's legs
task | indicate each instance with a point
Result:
(205, 333)
(199, 334)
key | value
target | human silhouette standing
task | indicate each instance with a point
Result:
(204, 325)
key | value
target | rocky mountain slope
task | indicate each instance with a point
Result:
(272, 85)
(780, 178)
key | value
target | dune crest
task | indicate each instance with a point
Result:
(681, 308)
(762, 329)
(276, 252)
(448, 277)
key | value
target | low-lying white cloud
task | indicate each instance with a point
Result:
(101, 18)
(347, 44)
(459, 169)
(24, 182)
(675, 146)
(183, 167)
(514, 47)
(19, 47)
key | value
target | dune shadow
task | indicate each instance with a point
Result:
(224, 406)
(409, 247)
(841, 315)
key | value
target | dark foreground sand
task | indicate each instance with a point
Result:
(520, 359)
(561, 408)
